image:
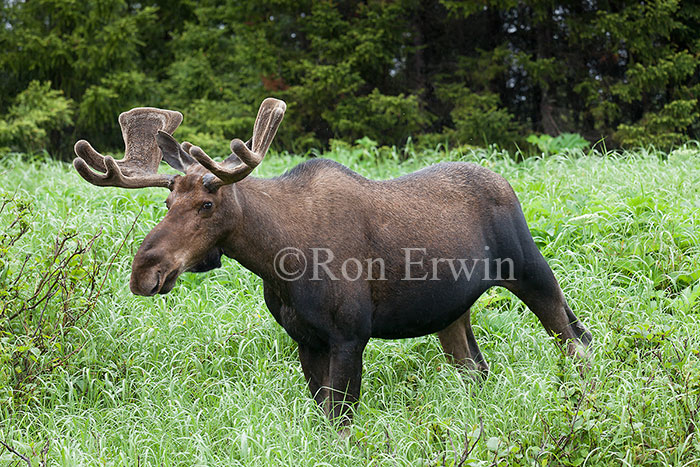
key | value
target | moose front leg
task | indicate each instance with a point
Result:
(345, 378)
(315, 362)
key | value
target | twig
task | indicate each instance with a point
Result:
(44, 453)
(467, 449)
(114, 257)
(21, 270)
(566, 438)
(452, 445)
(12, 450)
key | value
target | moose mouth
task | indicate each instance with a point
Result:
(148, 276)
(161, 286)
(169, 282)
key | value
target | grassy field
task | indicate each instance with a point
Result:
(204, 375)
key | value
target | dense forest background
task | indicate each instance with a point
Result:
(464, 73)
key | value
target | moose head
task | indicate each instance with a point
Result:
(187, 238)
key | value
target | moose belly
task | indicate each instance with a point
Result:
(421, 309)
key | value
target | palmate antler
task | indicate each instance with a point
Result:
(139, 168)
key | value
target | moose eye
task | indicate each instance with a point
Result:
(207, 205)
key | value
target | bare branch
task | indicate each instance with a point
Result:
(13, 451)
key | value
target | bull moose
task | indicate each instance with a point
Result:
(391, 259)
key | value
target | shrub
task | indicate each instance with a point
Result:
(35, 112)
(103, 102)
(391, 119)
(662, 129)
(44, 299)
(477, 118)
(212, 124)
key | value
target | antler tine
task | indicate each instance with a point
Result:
(115, 177)
(142, 155)
(268, 120)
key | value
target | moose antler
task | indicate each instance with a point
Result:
(142, 155)
(246, 156)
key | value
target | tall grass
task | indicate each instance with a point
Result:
(204, 375)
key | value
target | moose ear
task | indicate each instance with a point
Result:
(173, 154)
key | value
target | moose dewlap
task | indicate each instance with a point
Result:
(342, 258)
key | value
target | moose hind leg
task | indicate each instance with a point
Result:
(460, 346)
(540, 291)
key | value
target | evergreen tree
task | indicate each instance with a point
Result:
(482, 72)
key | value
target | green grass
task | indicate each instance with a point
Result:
(204, 375)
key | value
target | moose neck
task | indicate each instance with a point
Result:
(265, 212)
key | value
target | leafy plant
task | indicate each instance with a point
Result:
(557, 144)
(205, 376)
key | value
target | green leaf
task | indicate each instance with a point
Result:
(493, 444)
